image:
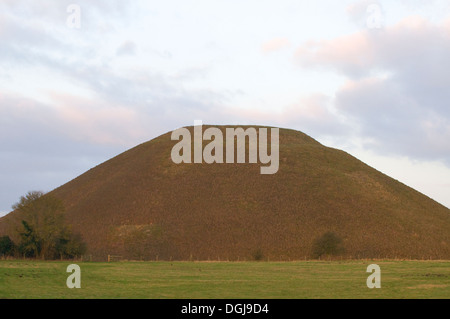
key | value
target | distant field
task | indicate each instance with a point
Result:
(259, 280)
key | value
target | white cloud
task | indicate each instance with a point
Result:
(126, 48)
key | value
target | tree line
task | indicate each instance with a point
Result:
(41, 231)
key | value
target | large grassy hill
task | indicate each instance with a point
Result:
(140, 204)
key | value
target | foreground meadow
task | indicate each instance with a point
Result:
(26, 279)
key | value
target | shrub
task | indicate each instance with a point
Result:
(258, 255)
(7, 246)
(327, 244)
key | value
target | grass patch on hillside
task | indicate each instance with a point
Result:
(192, 280)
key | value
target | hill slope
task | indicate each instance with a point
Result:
(140, 204)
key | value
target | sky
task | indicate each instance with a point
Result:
(83, 81)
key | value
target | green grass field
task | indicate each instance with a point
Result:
(224, 280)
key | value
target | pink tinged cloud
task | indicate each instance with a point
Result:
(345, 53)
(93, 120)
(310, 114)
(360, 52)
(275, 44)
(396, 91)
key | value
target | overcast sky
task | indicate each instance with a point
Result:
(369, 77)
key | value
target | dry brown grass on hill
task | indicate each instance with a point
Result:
(231, 211)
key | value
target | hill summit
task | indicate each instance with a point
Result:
(142, 205)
